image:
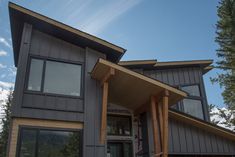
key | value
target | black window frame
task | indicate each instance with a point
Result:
(192, 97)
(44, 59)
(130, 121)
(121, 142)
(37, 129)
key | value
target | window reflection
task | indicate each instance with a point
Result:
(119, 125)
(50, 143)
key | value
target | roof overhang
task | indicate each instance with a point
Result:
(202, 124)
(20, 15)
(154, 64)
(130, 89)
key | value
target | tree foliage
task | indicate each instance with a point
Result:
(226, 51)
(5, 123)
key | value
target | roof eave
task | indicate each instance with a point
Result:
(58, 29)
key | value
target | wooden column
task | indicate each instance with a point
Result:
(160, 116)
(104, 82)
(155, 125)
(165, 123)
(104, 113)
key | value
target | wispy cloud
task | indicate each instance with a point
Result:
(2, 66)
(5, 42)
(78, 11)
(107, 14)
(3, 53)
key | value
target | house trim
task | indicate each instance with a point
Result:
(18, 122)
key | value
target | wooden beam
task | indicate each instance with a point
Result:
(156, 139)
(108, 75)
(165, 123)
(104, 113)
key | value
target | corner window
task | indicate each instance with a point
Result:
(54, 77)
(191, 90)
(193, 107)
(119, 125)
(193, 103)
(42, 143)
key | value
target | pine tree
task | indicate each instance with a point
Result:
(5, 122)
(226, 52)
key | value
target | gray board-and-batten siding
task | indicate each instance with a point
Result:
(32, 105)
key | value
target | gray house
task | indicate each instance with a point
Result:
(74, 97)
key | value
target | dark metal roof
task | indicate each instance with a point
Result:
(154, 64)
(20, 15)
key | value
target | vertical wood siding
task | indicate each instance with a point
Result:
(185, 139)
(92, 108)
(188, 139)
(182, 76)
(46, 106)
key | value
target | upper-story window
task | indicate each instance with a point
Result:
(47, 76)
(193, 103)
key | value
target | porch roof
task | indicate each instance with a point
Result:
(130, 89)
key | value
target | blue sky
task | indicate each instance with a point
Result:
(166, 30)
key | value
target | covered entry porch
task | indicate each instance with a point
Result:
(139, 94)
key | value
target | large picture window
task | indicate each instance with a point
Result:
(49, 143)
(193, 103)
(54, 77)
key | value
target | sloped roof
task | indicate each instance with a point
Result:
(19, 15)
(154, 64)
(201, 124)
(131, 89)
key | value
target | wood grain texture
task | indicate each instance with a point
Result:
(103, 131)
(165, 123)
(155, 126)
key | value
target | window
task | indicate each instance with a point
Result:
(119, 149)
(193, 103)
(55, 78)
(50, 143)
(119, 125)
(193, 107)
(192, 90)
(35, 75)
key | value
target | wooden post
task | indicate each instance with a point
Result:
(156, 139)
(104, 82)
(104, 113)
(165, 123)
(160, 115)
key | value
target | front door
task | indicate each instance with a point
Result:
(119, 149)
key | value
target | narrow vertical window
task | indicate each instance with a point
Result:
(35, 75)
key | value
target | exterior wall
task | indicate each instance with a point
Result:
(29, 104)
(17, 122)
(92, 108)
(182, 76)
(187, 139)
(58, 108)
